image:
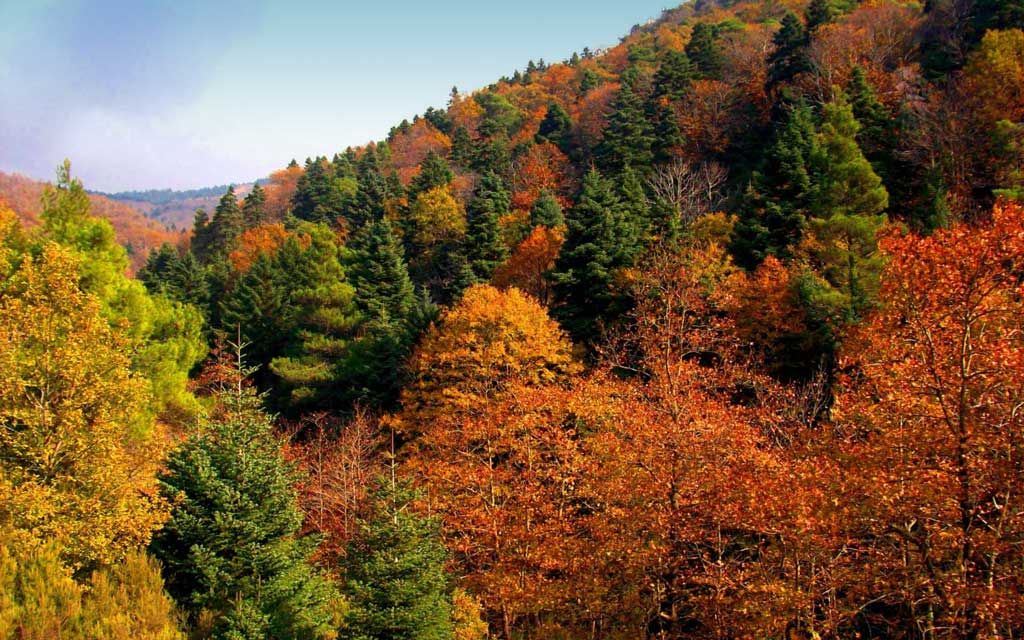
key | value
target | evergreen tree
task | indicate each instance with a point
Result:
(231, 549)
(556, 128)
(434, 172)
(379, 274)
(202, 235)
(629, 137)
(546, 211)
(848, 208)
(324, 306)
(223, 230)
(820, 12)
(600, 241)
(187, 283)
(674, 77)
(371, 193)
(775, 207)
(877, 137)
(258, 308)
(253, 213)
(317, 197)
(485, 249)
(789, 58)
(395, 578)
(588, 81)
(156, 273)
(635, 207)
(462, 148)
(703, 51)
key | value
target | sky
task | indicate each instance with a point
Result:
(190, 93)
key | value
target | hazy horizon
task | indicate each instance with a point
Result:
(186, 95)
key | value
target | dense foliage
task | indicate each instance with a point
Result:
(715, 333)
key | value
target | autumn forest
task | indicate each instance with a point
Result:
(715, 333)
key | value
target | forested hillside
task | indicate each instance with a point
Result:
(174, 209)
(716, 333)
(134, 232)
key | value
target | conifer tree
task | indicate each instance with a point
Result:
(313, 193)
(789, 58)
(323, 303)
(600, 241)
(546, 211)
(202, 237)
(629, 137)
(371, 193)
(232, 551)
(395, 577)
(635, 206)
(704, 52)
(820, 12)
(253, 213)
(462, 148)
(674, 77)
(379, 273)
(258, 309)
(225, 227)
(775, 207)
(187, 283)
(556, 128)
(876, 137)
(848, 207)
(156, 273)
(485, 249)
(434, 173)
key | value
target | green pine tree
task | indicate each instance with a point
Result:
(848, 210)
(628, 137)
(485, 249)
(253, 213)
(705, 53)
(546, 211)
(396, 584)
(378, 272)
(156, 273)
(434, 172)
(600, 241)
(820, 12)
(674, 77)
(774, 211)
(232, 549)
(556, 128)
(789, 58)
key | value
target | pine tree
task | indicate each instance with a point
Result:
(371, 193)
(674, 77)
(556, 128)
(395, 578)
(324, 306)
(462, 148)
(202, 235)
(232, 550)
(253, 213)
(546, 211)
(848, 208)
(635, 206)
(379, 274)
(775, 207)
(876, 137)
(156, 273)
(588, 81)
(789, 58)
(600, 241)
(312, 198)
(704, 52)
(820, 12)
(187, 283)
(225, 227)
(434, 173)
(485, 249)
(258, 308)
(629, 137)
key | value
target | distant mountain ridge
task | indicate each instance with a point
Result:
(174, 209)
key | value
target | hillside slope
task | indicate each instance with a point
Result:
(134, 231)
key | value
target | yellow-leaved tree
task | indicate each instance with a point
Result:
(78, 451)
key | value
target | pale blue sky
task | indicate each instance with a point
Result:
(189, 93)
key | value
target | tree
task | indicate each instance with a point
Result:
(775, 207)
(253, 207)
(848, 210)
(326, 320)
(528, 266)
(41, 600)
(225, 227)
(78, 447)
(876, 135)
(156, 273)
(928, 424)
(436, 217)
(628, 138)
(231, 550)
(394, 570)
(674, 77)
(485, 249)
(789, 58)
(315, 197)
(819, 13)
(556, 128)
(434, 174)
(600, 241)
(379, 274)
(489, 339)
(547, 211)
(704, 52)
(167, 336)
